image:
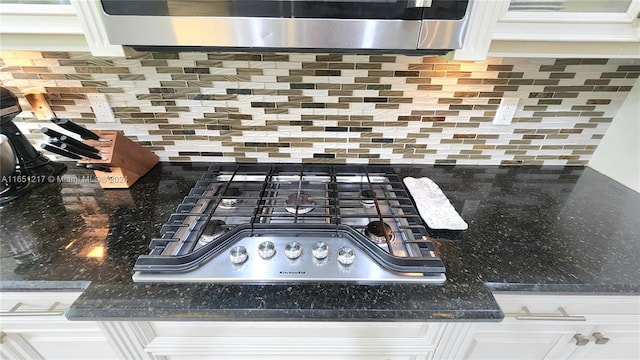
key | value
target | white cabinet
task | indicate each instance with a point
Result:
(522, 342)
(41, 27)
(551, 327)
(553, 28)
(38, 25)
(594, 29)
(33, 326)
(279, 340)
(623, 343)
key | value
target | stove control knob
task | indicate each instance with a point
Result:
(266, 249)
(346, 255)
(238, 254)
(293, 250)
(320, 250)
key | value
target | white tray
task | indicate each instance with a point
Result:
(433, 205)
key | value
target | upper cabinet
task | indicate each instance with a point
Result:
(50, 25)
(568, 28)
(54, 25)
(520, 28)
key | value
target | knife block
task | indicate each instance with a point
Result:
(128, 161)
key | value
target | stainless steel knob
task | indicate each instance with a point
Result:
(580, 340)
(293, 250)
(600, 339)
(346, 255)
(266, 249)
(320, 250)
(238, 254)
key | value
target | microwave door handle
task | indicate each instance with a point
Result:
(419, 3)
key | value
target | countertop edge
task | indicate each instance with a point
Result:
(569, 289)
(44, 285)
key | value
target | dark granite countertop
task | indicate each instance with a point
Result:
(537, 229)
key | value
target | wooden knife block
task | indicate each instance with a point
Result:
(128, 161)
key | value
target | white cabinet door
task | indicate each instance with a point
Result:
(56, 341)
(291, 340)
(622, 342)
(624, 345)
(529, 341)
(33, 326)
(558, 28)
(55, 26)
(550, 327)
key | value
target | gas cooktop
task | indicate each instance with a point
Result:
(294, 223)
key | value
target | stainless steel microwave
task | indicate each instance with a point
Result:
(407, 25)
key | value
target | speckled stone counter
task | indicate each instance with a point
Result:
(530, 229)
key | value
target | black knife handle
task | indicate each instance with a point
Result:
(71, 141)
(52, 133)
(55, 142)
(94, 167)
(62, 138)
(75, 128)
(79, 151)
(59, 151)
(99, 167)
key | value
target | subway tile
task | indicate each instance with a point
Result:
(613, 75)
(510, 75)
(382, 59)
(552, 68)
(409, 99)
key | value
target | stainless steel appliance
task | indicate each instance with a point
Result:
(294, 223)
(427, 26)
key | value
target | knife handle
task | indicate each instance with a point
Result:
(55, 142)
(75, 128)
(79, 151)
(99, 167)
(52, 133)
(94, 167)
(59, 151)
(71, 141)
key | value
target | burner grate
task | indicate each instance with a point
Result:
(333, 195)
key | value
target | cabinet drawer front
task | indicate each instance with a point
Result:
(574, 305)
(328, 340)
(27, 303)
(298, 329)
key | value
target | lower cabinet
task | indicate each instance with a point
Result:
(550, 327)
(279, 340)
(33, 326)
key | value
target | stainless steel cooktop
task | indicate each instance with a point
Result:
(294, 223)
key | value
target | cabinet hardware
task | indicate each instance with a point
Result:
(580, 340)
(53, 310)
(563, 316)
(600, 339)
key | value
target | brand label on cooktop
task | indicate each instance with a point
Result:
(293, 272)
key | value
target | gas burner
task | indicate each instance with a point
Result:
(213, 230)
(378, 232)
(301, 203)
(367, 198)
(230, 198)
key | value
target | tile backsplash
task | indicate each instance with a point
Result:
(337, 108)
